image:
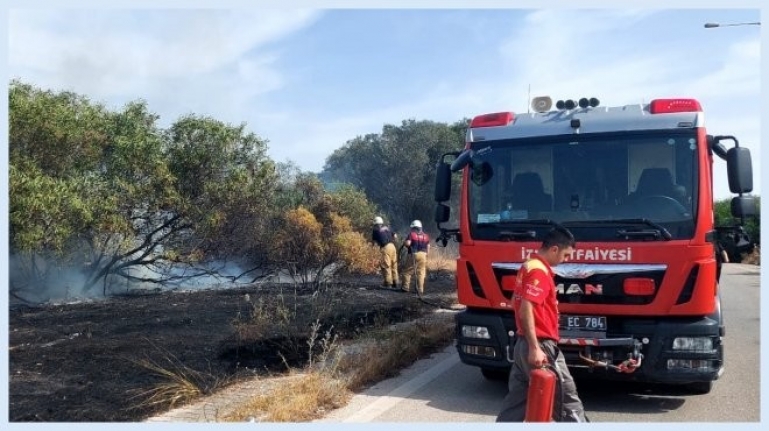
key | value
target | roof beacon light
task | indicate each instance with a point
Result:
(669, 106)
(492, 120)
(582, 103)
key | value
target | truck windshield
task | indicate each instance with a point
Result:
(603, 187)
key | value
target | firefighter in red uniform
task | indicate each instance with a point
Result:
(418, 244)
(536, 319)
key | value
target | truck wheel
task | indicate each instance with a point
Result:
(495, 374)
(700, 388)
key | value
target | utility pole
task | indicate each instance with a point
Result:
(735, 24)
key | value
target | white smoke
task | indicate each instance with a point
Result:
(37, 279)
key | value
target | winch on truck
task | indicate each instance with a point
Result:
(639, 299)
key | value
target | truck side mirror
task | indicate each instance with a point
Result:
(739, 167)
(443, 182)
(716, 147)
(465, 158)
(442, 212)
(744, 206)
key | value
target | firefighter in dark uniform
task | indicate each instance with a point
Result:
(418, 244)
(384, 237)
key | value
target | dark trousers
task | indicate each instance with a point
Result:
(567, 407)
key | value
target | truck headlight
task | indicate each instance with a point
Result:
(693, 344)
(470, 331)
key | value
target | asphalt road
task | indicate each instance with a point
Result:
(441, 389)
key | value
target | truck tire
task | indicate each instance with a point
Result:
(495, 374)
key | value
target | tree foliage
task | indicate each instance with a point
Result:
(736, 239)
(108, 192)
(103, 195)
(84, 182)
(225, 182)
(723, 217)
(396, 169)
(351, 202)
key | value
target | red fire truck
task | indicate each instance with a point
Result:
(639, 299)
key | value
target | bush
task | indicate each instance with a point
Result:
(316, 251)
(723, 217)
(737, 242)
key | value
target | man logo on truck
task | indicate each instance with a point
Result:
(576, 289)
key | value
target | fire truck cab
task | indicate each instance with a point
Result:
(639, 299)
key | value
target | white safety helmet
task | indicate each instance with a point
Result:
(378, 220)
(416, 224)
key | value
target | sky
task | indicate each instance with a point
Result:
(309, 80)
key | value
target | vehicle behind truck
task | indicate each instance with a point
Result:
(639, 299)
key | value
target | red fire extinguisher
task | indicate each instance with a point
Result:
(541, 395)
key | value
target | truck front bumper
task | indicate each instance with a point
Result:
(490, 348)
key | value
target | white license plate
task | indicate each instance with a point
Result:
(582, 323)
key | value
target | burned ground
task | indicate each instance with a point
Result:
(89, 361)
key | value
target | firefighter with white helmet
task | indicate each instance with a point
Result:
(382, 236)
(418, 244)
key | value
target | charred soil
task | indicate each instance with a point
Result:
(89, 361)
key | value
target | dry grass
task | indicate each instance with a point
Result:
(322, 388)
(301, 399)
(179, 384)
(394, 349)
(753, 258)
(442, 259)
(283, 316)
(177, 387)
(329, 379)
